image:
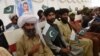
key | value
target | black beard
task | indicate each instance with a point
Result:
(51, 21)
(30, 33)
(64, 20)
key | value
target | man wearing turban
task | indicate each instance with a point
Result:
(30, 43)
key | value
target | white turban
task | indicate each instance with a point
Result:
(26, 19)
(12, 15)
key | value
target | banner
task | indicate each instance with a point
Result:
(24, 6)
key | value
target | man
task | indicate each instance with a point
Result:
(58, 47)
(13, 25)
(89, 35)
(78, 16)
(86, 17)
(67, 30)
(41, 15)
(30, 43)
(95, 27)
(42, 19)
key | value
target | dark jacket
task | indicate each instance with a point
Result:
(58, 42)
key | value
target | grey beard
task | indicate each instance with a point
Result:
(30, 33)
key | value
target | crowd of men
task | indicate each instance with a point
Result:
(56, 33)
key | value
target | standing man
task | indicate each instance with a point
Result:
(30, 43)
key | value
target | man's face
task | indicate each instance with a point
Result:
(14, 20)
(64, 17)
(51, 17)
(29, 29)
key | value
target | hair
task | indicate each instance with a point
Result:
(72, 14)
(25, 3)
(39, 13)
(48, 10)
(86, 11)
(57, 14)
(63, 10)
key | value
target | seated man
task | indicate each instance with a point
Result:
(66, 30)
(30, 43)
(53, 37)
(86, 35)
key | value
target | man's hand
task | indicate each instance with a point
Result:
(65, 50)
(35, 48)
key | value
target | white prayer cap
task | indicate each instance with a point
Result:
(26, 19)
(12, 15)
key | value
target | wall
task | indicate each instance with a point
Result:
(50, 3)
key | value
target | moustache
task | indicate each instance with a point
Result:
(51, 20)
(64, 20)
(30, 32)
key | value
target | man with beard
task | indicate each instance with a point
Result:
(66, 33)
(57, 46)
(30, 43)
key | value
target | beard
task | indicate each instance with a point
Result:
(51, 20)
(64, 20)
(30, 32)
